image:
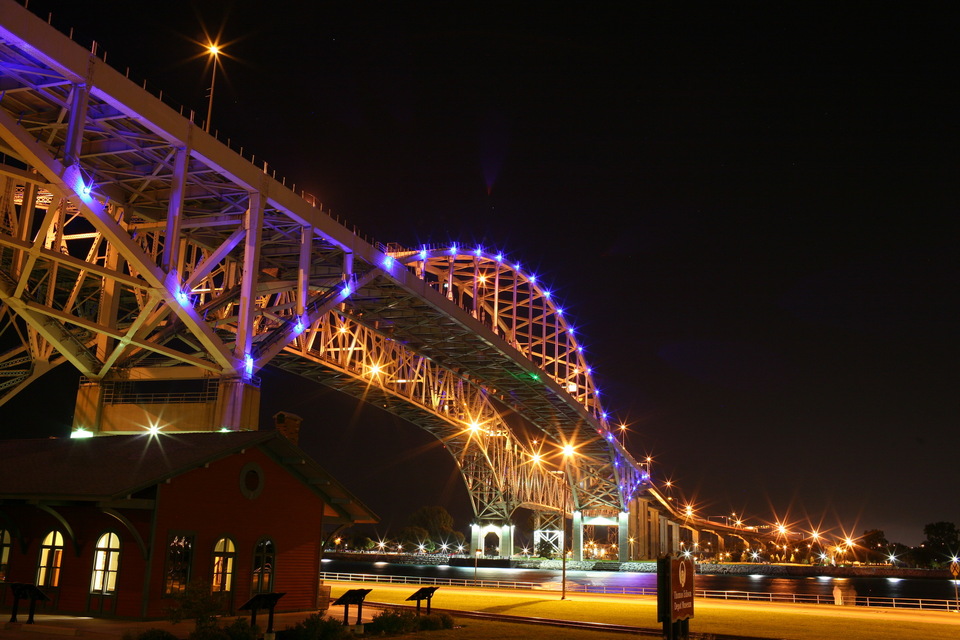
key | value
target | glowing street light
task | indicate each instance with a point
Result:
(214, 51)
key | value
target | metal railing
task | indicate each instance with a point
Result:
(919, 604)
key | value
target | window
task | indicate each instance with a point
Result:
(51, 553)
(105, 564)
(263, 558)
(179, 556)
(4, 553)
(224, 553)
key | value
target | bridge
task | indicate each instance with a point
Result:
(169, 268)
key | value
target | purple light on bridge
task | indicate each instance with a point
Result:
(182, 297)
(547, 294)
(478, 251)
(248, 365)
(453, 249)
(388, 262)
(499, 257)
(423, 253)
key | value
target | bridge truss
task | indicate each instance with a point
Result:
(132, 242)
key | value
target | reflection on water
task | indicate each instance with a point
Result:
(936, 589)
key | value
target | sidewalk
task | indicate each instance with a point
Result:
(62, 627)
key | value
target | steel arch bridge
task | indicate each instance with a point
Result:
(142, 250)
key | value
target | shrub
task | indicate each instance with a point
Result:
(150, 634)
(431, 622)
(209, 633)
(393, 621)
(240, 629)
(315, 627)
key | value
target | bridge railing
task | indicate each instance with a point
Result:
(918, 604)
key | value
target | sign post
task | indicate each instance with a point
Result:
(675, 577)
(955, 570)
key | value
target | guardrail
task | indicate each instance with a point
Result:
(919, 604)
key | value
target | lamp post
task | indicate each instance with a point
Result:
(214, 51)
(476, 561)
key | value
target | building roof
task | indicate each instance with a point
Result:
(108, 468)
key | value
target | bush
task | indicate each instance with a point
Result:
(393, 621)
(209, 633)
(240, 629)
(150, 634)
(315, 627)
(431, 622)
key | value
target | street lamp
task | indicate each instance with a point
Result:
(214, 51)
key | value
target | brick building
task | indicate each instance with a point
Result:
(117, 525)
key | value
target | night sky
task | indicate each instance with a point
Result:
(746, 211)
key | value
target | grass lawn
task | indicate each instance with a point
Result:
(791, 622)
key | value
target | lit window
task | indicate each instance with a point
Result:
(179, 556)
(263, 560)
(224, 553)
(51, 553)
(105, 564)
(4, 553)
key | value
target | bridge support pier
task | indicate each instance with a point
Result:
(138, 399)
(504, 533)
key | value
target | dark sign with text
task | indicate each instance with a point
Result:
(674, 589)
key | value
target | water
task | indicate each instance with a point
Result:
(913, 588)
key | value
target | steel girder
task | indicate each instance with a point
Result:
(160, 246)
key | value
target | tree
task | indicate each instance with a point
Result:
(943, 538)
(436, 520)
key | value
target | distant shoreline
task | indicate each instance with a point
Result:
(706, 568)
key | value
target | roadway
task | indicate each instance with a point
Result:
(730, 619)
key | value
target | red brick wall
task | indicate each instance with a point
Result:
(209, 504)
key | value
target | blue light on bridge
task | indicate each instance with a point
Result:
(388, 262)
(182, 297)
(346, 290)
(478, 251)
(453, 249)
(299, 327)
(499, 257)
(423, 253)
(533, 278)
(248, 365)
(547, 294)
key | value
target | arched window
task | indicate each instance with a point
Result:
(105, 564)
(224, 553)
(263, 559)
(51, 553)
(4, 553)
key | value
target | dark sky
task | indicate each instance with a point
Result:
(747, 212)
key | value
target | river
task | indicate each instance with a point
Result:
(912, 588)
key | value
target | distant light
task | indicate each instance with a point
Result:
(559, 311)
(568, 450)
(453, 249)
(499, 257)
(546, 294)
(154, 430)
(533, 278)
(81, 433)
(213, 49)
(225, 429)
(478, 251)
(517, 267)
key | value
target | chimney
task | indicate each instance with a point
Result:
(289, 425)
